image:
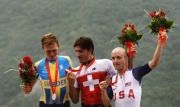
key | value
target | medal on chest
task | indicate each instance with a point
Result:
(54, 96)
(53, 87)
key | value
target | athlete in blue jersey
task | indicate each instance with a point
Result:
(126, 85)
(52, 75)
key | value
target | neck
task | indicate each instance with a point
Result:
(87, 62)
(122, 71)
(121, 74)
(51, 58)
(90, 58)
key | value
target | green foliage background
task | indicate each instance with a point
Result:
(23, 22)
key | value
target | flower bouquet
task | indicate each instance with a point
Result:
(159, 23)
(27, 71)
(128, 37)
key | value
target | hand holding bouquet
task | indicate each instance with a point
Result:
(129, 37)
(159, 24)
(27, 71)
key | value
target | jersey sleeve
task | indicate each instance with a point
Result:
(37, 65)
(140, 71)
(110, 68)
(69, 61)
(110, 92)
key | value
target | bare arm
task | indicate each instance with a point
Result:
(131, 58)
(157, 55)
(105, 99)
(73, 92)
(130, 62)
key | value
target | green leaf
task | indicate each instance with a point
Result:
(164, 20)
(129, 32)
(139, 37)
(170, 24)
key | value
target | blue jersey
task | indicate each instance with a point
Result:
(61, 90)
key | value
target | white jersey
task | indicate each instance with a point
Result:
(126, 91)
(88, 79)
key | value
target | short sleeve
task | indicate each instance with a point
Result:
(109, 67)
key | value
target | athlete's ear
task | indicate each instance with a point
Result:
(90, 50)
(58, 46)
(42, 47)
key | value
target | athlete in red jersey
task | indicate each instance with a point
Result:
(88, 75)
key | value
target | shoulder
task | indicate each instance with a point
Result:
(145, 67)
(140, 71)
(39, 62)
(66, 59)
(103, 61)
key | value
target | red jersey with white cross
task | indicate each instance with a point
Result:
(127, 90)
(88, 79)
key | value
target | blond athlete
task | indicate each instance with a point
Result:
(52, 75)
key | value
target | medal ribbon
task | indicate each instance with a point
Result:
(129, 45)
(56, 74)
(112, 83)
(80, 68)
(162, 36)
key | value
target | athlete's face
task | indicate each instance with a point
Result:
(83, 55)
(51, 51)
(119, 59)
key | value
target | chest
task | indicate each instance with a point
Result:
(54, 70)
(126, 87)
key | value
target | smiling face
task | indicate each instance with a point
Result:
(84, 48)
(119, 59)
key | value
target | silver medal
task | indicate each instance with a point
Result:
(54, 96)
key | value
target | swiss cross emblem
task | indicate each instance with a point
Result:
(90, 82)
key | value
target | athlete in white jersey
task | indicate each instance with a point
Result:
(89, 74)
(126, 85)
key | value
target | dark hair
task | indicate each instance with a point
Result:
(85, 43)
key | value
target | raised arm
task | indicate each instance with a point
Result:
(157, 54)
(131, 58)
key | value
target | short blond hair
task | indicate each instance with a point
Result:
(49, 39)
